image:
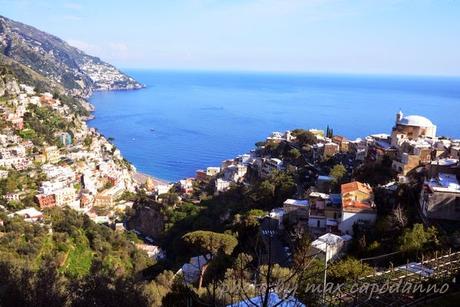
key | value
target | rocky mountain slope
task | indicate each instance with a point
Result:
(51, 57)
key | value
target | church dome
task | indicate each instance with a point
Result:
(415, 120)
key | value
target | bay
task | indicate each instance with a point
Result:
(188, 120)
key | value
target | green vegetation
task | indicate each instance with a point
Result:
(28, 134)
(417, 238)
(273, 191)
(158, 289)
(72, 102)
(88, 141)
(14, 69)
(304, 137)
(210, 245)
(71, 261)
(181, 214)
(25, 182)
(211, 242)
(9, 67)
(79, 257)
(294, 154)
(169, 199)
(376, 173)
(70, 254)
(329, 132)
(338, 172)
(348, 270)
(41, 125)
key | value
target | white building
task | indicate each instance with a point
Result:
(162, 189)
(297, 210)
(29, 214)
(212, 171)
(411, 127)
(273, 164)
(278, 214)
(357, 206)
(65, 197)
(331, 245)
(222, 185)
(235, 172)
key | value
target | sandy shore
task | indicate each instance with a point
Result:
(141, 178)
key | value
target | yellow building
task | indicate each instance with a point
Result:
(52, 154)
(342, 142)
(406, 163)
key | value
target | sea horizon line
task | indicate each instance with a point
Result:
(294, 72)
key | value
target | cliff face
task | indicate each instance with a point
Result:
(59, 62)
(148, 219)
(8, 84)
(2, 85)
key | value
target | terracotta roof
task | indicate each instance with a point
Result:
(353, 205)
(339, 138)
(350, 204)
(355, 186)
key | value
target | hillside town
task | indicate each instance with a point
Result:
(49, 158)
(106, 77)
(412, 148)
(80, 76)
(333, 190)
(332, 206)
(75, 167)
(313, 148)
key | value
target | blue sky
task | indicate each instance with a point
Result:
(331, 36)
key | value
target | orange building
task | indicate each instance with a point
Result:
(330, 149)
(357, 205)
(342, 142)
(45, 201)
(357, 195)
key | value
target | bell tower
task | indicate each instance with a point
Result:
(399, 116)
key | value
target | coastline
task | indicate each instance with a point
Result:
(139, 177)
(207, 145)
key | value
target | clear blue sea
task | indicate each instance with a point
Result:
(201, 118)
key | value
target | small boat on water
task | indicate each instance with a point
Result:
(151, 129)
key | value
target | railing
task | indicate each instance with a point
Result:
(440, 267)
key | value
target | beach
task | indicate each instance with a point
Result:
(141, 178)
